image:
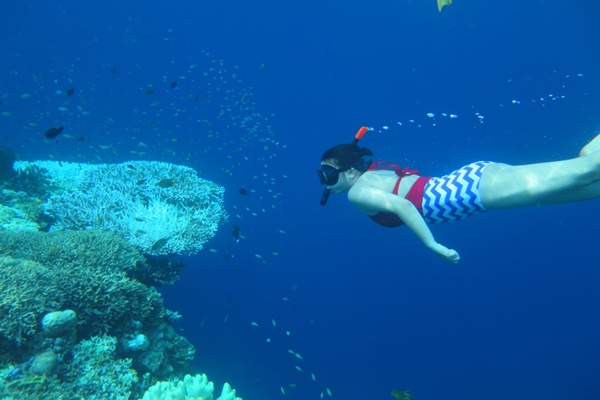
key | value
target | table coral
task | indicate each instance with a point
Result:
(159, 207)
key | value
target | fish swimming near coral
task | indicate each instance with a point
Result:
(243, 191)
(53, 132)
(166, 183)
(160, 243)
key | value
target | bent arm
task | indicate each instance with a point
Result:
(411, 217)
(376, 200)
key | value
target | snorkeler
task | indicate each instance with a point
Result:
(393, 196)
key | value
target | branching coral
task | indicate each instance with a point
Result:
(28, 291)
(96, 372)
(85, 270)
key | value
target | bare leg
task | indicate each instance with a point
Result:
(592, 146)
(505, 186)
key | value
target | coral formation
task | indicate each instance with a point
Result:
(62, 293)
(161, 208)
(191, 388)
(28, 290)
(96, 372)
(86, 271)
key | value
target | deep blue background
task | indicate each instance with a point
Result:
(278, 82)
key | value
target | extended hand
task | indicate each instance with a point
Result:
(446, 254)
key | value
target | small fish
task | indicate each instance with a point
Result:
(235, 231)
(173, 84)
(197, 97)
(81, 139)
(166, 183)
(298, 368)
(141, 182)
(254, 323)
(70, 91)
(149, 91)
(243, 191)
(159, 244)
(113, 70)
(53, 132)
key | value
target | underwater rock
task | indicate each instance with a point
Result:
(43, 363)
(58, 322)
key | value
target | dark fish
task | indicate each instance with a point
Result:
(159, 244)
(130, 166)
(141, 182)
(149, 91)
(173, 84)
(243, 191)
(196, 97)
(235, 231)
(113, 70)
(70, 91)
(166, 183)
(81, 139)
(53, 132)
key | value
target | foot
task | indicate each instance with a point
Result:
(592, 146)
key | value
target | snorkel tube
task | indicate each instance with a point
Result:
(361, 132)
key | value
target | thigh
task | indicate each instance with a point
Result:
(507, 186)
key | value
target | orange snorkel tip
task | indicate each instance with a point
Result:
(361, 132)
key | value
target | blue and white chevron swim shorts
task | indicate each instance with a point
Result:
(454, 196)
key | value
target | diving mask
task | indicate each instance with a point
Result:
(329, 175)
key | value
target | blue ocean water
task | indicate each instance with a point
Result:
(262, 89)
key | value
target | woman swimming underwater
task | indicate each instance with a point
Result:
(393, 196)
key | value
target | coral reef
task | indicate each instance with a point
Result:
(92, 372)
(79, 317)
(89, 276)
(97, 373)
(161, 208)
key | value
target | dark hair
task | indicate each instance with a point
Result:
(348, 155)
